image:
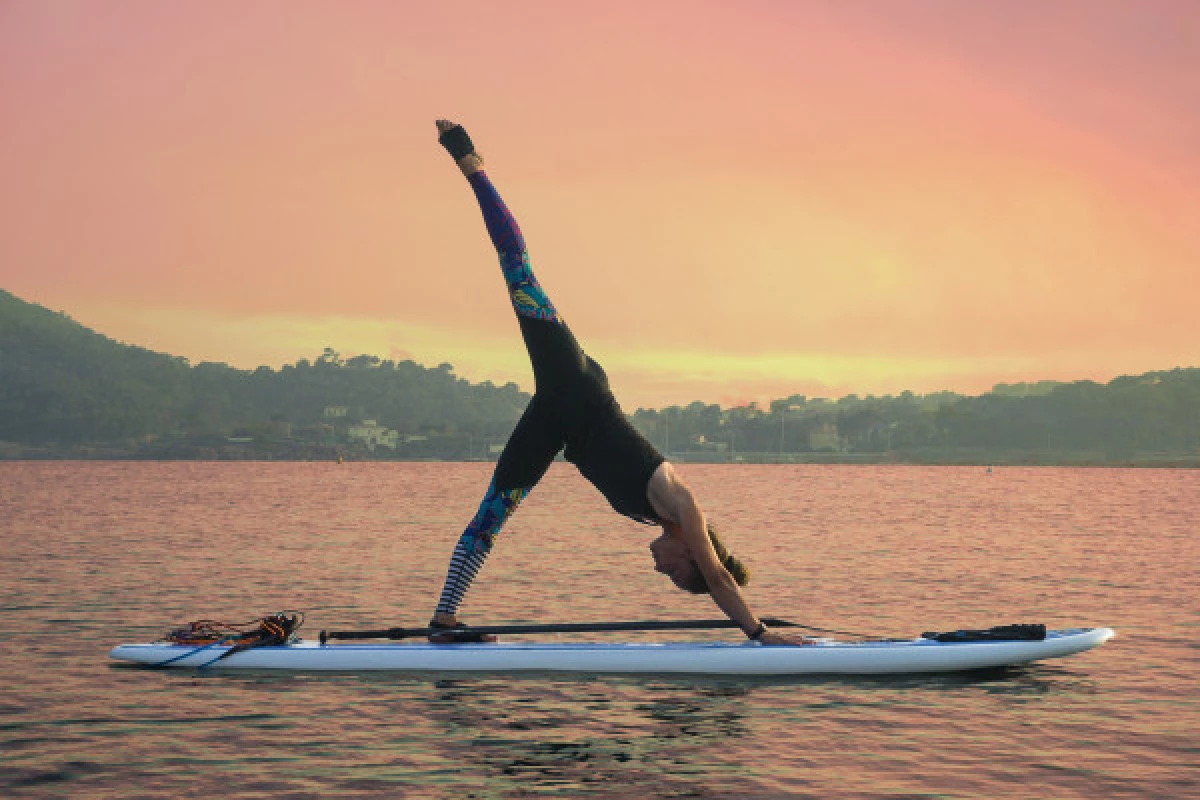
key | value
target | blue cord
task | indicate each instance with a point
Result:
(192, 653)
(215, 660)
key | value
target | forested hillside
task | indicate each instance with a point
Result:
(68, 391)
(62, 384)
(1148, 419)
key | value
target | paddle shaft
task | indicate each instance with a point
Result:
(562, 627)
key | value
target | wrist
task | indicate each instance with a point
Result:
(758, 632)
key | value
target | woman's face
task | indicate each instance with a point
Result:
(671, 558)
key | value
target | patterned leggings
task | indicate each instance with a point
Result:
(558, 363)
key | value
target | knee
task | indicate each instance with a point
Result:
(477, 542)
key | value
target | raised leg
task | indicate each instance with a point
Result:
(528, 297)
(556, 356)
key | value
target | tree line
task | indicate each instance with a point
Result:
(64, 387)
(1151, 418)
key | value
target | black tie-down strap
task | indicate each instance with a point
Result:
(999, 633)
(458, 633)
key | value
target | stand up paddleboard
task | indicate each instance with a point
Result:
(826, 657)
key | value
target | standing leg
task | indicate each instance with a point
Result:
(475, 544)
(526, 457)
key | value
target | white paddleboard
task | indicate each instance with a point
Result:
(829, 657)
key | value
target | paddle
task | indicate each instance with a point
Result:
(560, 627)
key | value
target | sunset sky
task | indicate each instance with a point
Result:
(728, 201)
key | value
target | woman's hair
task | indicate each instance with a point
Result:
(733, 565)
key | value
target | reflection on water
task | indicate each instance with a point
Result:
(101, 553)
(582, 733)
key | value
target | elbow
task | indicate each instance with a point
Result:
(719, 583)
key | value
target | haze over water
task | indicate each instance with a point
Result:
(101, 553)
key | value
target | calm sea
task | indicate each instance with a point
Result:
(96, 554)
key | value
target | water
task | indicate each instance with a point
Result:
(100, 553)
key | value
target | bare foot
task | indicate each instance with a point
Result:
(443, 620)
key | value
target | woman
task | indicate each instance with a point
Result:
(573, 408)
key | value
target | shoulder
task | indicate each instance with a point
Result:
(667, 492)
(664, 477)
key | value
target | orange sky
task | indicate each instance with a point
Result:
(727, 201)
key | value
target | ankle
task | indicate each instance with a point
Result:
(470, 164)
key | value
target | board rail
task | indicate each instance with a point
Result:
(724, 658)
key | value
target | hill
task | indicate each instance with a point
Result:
(63, 385)
(66, 391)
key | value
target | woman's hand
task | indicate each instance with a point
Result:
(771, 637)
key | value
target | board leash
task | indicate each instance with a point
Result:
(192, 653)
(273, 629)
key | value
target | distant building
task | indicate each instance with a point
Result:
(825, 438)
(701, 443)
(335, 412)
(371, 435)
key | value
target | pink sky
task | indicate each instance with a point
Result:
(727, 201)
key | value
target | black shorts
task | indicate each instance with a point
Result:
(573, 407)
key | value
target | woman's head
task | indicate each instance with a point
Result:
(673, 559)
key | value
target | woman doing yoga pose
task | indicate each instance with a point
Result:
(573, 408)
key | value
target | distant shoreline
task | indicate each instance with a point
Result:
(1147, 461)
(71, 393)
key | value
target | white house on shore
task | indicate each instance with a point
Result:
(825, 438)
(371, 435)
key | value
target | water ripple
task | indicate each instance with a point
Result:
(97, 553)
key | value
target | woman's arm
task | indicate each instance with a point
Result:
(673, 500)
(683, 518)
